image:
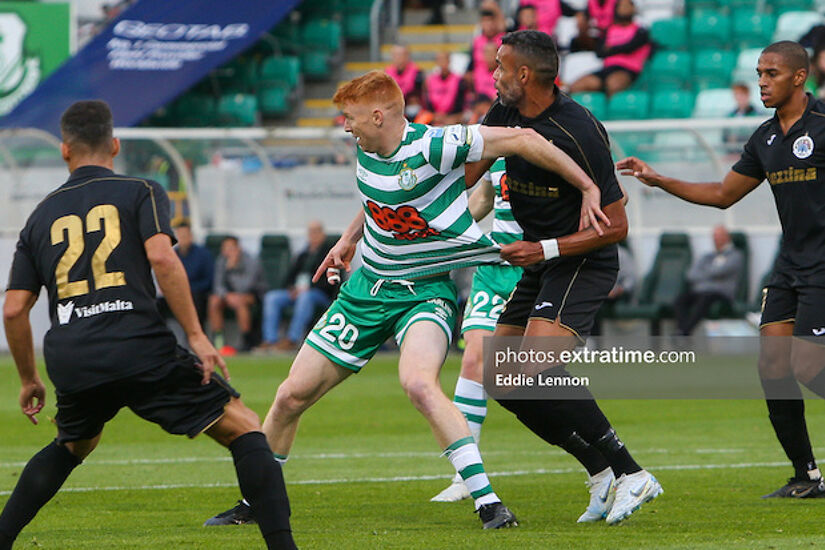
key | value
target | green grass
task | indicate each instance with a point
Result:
(714, 459)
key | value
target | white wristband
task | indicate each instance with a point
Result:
(550, 248)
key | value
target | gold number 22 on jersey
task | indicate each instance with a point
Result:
(70, 228)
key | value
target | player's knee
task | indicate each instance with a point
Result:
(290, 400)
(82, 448)
(472, 365)
(421, 391)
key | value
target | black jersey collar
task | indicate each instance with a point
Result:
(90, 171)
(802, 120)
(557, 104)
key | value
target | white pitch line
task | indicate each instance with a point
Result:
(398, 479)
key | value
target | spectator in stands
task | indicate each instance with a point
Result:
(622, 289)
(404, 71)
(526, 19)
(547, 13)
(742, 96)
(816, 80)
(478, 71)
(712, 278)
(593, 23)
(199, 265)
(301, 293)
(444, 92)
(436, 11)
(625, 49)
(481, 104)
(238, 285)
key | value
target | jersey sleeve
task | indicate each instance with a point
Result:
(23, 274)
(154, 212)
(449, 147)
(749, 163)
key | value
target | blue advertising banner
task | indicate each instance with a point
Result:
(149, 55)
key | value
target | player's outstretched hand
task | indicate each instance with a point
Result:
(639, 169)
(592, 212)
(32, 399)
(209, 357)
(338, 257)
(522, 253)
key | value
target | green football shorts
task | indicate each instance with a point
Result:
(492, 287)
(369, 310)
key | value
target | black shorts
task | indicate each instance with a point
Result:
(607, 71)
(170, 395)
(783, 300)
(570, 289)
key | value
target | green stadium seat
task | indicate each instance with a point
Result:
(745, 70)
(281, 69)
(213, 243)
(358, 6)
(273, 99)
(194, 110)
(238, 76)
(632, 144)
(714, 103)
(670, 34)
(628, 105)
(712, 68)
(794, 24)
(287, 37)
(733, 5)
(672, 104)
(752, 30)
(783, 6)
(238, 110)
(275, 259)
(694, 6)
(671, 70)
(710, 30)
(316, 65)
(721, 310)
(321, 8)
(321, 35)
(595, 101)
(357, 27)
(662, 284)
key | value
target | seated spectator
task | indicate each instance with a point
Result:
(481, 104)
(405, 71)
(238, 285)
(547, 13)
(301, 292)
(593, 23)
(625, 48)
(712, 278)
(199, 265)
(444, 92)
(744, 107)
(492, 27)
(622, 290)
(816, 78)
(526, 19)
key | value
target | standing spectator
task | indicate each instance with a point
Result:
(238, 285)
(526, 19)
(300, 292)
(444, 92)
(199, 265)
(479, 72)
(593, 24)
(713, 278)
(547, 13)
(404, 71)
(483, 81)
(625, 48)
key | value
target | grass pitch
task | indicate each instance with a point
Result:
(364, 466)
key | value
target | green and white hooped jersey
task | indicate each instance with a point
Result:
(417, 220)
(505, 228)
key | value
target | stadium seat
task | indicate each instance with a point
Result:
(275, 259)
(595, 101)
(194, 110)
(321, 35)
(273, 99)
(213, 243)
(694, 6)
(238, 76)
(783, 6)
(714, 103)
(712, 69)
(671, 70)
(794, 24)
(287, 38)
(752, 30)
(238, 110)
(628, 105)
(720, 310)
(745, 70)
(670, 34)
(357, 27)
(663, 283)
(672, 104)
(321, 8)
(281, 69)
(710, 30)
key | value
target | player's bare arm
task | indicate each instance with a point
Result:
(522, 253)
(340, 255)
(532, 147)
(16, 310)
(719, 194)
(174, 284)
(473, 171)
(482, 199)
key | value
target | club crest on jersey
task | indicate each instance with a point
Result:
(803, 147)
(407, 179)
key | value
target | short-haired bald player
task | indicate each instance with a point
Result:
(789, 151)
(416, 227)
